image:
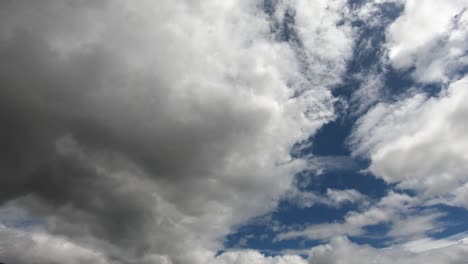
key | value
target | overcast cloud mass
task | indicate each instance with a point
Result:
(233, 132)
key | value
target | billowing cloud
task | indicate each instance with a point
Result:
(137, 131)
(419, 143)
(430, 36)
(245, 257)
(24, 247)
(144, 132)
(341, 250)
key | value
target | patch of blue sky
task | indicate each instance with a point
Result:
(269, 6)
(330, 141)
(400, 83)
(365, 183)
(261, 234)
(284, 30)
(375, 235)
(369, 58)
(264, 241)
(368, 52)
(454, 220)
(17, 218)
(28, 223)
(290, 215)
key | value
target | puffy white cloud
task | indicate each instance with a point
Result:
(245, 257)
(395, 210)
(26, 247)
(431, 36)
(22, 247)
(340, 251)
(333, 198)
(419, 143)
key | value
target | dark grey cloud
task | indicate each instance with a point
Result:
(42, 100)
(137, 137)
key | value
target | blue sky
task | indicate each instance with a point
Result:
(269, 132)
(330, 141)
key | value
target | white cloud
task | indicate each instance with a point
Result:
(372, 13)
(341, 250)
(398, 211)
(25, 247)
(426, 244)
(333, 198)
(368, 94)
(324, 45)
(253, 257)
(412, 227)
(420, 144)
(430, 37)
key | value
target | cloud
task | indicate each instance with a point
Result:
(430, 36)
(419, 143)
(145, 132)
(426, 244)
(398, 211)
(332, 198)
(23, 247)
(245, 257)
(326, 46)
(341, 250)
(140, 130)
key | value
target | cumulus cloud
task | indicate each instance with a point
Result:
(20, 247)
(24, 247)
(241, 257)
(430, 36)
(340, 250)
(139, 130)
(419, 143)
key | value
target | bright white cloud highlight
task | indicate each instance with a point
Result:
(341, 251)
(431, 36)
(420, 143)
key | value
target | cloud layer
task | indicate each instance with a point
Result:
(145, 132)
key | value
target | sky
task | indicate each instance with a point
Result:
(234, 132)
